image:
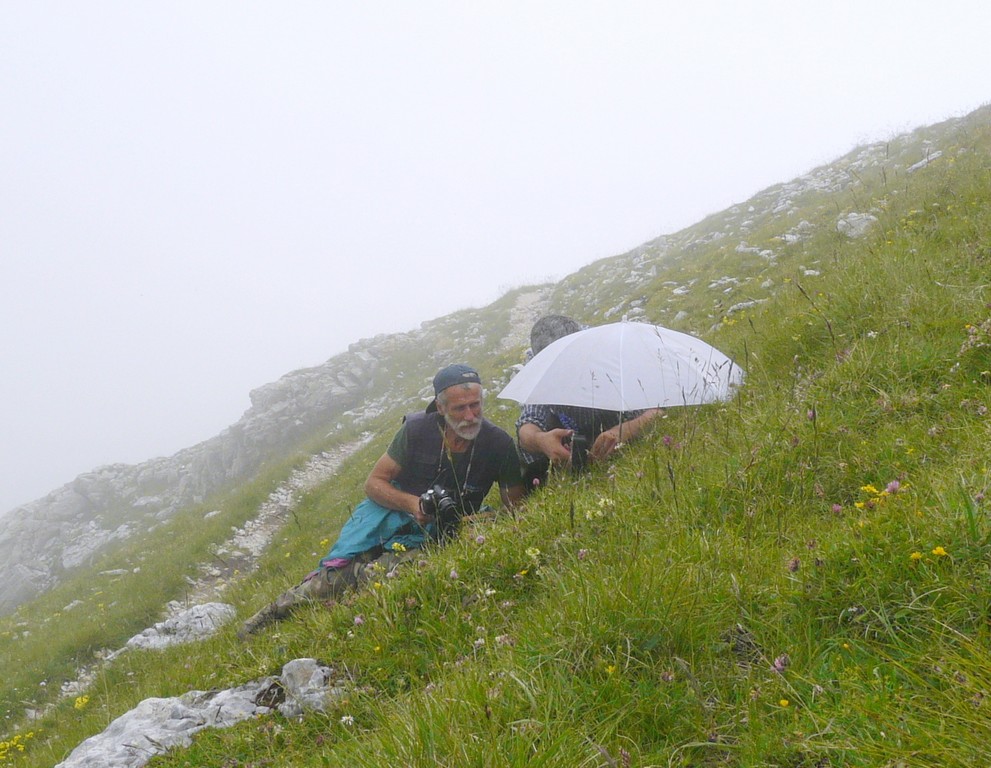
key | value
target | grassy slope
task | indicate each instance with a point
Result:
(638, 616)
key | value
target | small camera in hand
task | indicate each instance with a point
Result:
(439, 504)
(579, 451)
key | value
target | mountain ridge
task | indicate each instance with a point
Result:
(75, 523)
(791, 578)
(45, 539)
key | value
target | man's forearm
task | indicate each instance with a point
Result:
(529, 435)
(390, 497)
(629, 430)
(610, 439)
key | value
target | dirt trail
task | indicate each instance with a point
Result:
(239, 555)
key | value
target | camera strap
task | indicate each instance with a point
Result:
(462, 487)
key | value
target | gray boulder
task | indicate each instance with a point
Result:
(157, 725)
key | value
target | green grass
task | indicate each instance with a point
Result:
(796, 578)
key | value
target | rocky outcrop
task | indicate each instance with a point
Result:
(159, 724)
(44, 539)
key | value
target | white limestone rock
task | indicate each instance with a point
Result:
(187, 626)
(855, 225)
(157, 725)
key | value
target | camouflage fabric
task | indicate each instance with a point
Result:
(327, 584)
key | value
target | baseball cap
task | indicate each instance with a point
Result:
(458, 373)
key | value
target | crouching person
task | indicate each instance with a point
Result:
(438, 469)
(567, 435)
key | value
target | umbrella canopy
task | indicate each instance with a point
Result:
(626, 366)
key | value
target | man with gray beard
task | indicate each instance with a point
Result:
(439, 468)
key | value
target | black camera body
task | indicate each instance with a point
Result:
(440, 505)
(579, 451)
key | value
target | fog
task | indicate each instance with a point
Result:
(196, 198)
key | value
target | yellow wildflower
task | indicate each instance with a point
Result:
(398, 546)
(784, 703)
(81, 702)
(916, 555)
(940, 552)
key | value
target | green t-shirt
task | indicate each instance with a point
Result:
(418, 448)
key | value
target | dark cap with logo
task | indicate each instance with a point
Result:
(449, 376)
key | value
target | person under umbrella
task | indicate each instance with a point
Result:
(569, 435)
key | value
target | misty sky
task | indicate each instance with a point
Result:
(198, 197)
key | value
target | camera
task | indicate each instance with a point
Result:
(579, 451)
(439, 504)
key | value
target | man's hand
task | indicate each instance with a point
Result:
(554, 444)
(605, 444)
(512, 495)
(420, 516)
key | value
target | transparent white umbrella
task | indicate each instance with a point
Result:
(626, 366)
